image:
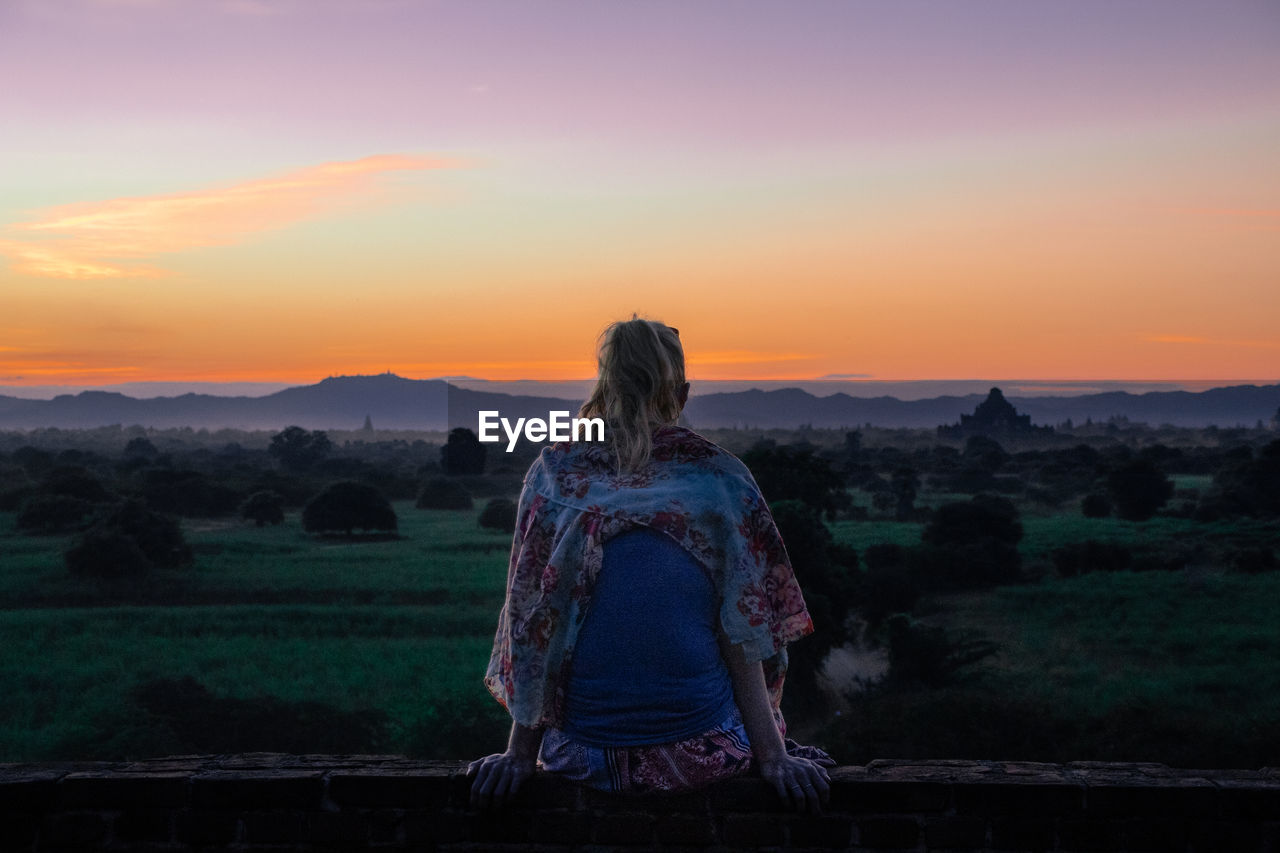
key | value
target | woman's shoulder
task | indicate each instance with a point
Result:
(682, 445)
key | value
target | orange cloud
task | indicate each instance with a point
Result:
(107, 239)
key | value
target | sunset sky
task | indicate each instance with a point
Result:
(282, 190)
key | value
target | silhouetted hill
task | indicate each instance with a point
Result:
(787, 408)
(342, 402)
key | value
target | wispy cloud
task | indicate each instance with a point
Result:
(744, 357)
(116, 238)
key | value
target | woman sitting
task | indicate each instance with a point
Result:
(642, 645)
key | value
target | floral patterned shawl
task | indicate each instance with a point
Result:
(574, 500)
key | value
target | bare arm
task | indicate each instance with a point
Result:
(803, 783)
(499, 776)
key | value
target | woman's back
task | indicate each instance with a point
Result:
(647, 668)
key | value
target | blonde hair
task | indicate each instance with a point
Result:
(638, 388)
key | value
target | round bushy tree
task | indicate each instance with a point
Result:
(347, 506)
(1138, 489)
(106, 552)
(499, 514)
(443, 493)
(263, 508)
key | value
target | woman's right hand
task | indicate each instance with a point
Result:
(800, 781)
(498, 777)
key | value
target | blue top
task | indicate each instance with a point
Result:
(647, 668)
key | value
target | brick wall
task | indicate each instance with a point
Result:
(271, 801)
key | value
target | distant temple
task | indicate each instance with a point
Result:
(994, 416)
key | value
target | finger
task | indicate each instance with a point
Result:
(796, 790)
(482, 790)
(821, 783)
(780, 785)
(502, 787)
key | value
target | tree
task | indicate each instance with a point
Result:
(794, 473)
(187, 493)
(904, 485)
(348, 506)
(499, 514)
(1138, 488)
(52, 513)
(463, 453)
(298, 449)
(1251, 486)
(974, 543)
(129, 541)
(74, 481)
(263, 508)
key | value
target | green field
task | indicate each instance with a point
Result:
(402, 626)
(280, 620)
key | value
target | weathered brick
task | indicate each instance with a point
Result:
(446, 827)
(745, 795)
(1150, 834)
(1194, 797)
(887, 797)
(107, 789)
(18, 831)
(561, 827)
(500, 825)
(205, 827)
(329, 830)
(820, 831)
(1221, 836)
(1090, 834)
(545, 791)
(959, 833)
(752, 830)
(1021, 833)
(234, 789)
(622, 828)
(274, 827)
(26, 791)
(894, 833)
(384, 825)
(693, 830)
(1258, 799)
(72, 828)
(1001, 798)
(380, 789)
(144, 825)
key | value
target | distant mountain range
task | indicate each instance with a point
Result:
(392, 402)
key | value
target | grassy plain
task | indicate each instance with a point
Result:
(403, 627)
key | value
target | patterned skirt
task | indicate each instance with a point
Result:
(684, 765)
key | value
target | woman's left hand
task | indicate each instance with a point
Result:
(498, 777)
